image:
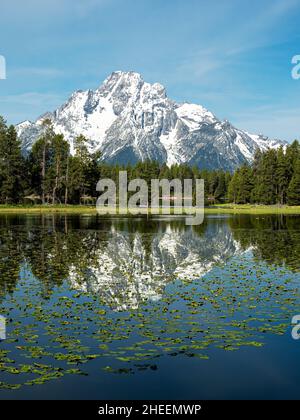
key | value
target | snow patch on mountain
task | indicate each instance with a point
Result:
(194, 115)
(128, 120)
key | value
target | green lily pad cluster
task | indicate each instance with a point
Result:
(56, 329)
(232, 306)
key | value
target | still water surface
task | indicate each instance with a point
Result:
(131, 308)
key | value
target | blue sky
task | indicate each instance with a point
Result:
(231, 56)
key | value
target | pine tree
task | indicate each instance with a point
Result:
(83, 170)
(60, 154)
(40, 156)
(265, 188)
(293, 154)
(241, 185)
(220, 191)
(293, 193)
(283, 176)
(12, 165)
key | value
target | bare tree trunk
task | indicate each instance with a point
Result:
(43, 173)
(67, 181)
(56, 182)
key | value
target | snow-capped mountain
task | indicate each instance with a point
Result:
(128, 120)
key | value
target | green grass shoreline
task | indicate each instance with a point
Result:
(83, 209)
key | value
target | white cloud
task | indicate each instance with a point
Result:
(36, 71)
(31, 98)
(274, 122)
(238, 38)
(28, 105)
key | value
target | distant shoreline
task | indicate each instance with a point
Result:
(217, 209)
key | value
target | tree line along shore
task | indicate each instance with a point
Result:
(50, 178)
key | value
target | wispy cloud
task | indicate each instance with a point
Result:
(273, 121)
(47, 72)
(32, 98)
(28, 105)
(238, 38)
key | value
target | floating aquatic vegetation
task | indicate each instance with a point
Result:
(58, 328)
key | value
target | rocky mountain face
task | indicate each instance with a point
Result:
(129, 120)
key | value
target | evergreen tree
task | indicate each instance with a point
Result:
(220, 191)
(83, 171)
(12, 166)
(60, 156)
(283, 176)
(40, 155)
(241, 185)
(293, 193)
(265, 188)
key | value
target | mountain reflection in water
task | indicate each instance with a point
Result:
(126, 261)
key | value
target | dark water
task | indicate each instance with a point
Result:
(136, 308)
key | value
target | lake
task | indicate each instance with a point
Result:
(148, 308)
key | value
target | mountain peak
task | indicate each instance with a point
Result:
(122, 77)
(128, 119)
(126, 74)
